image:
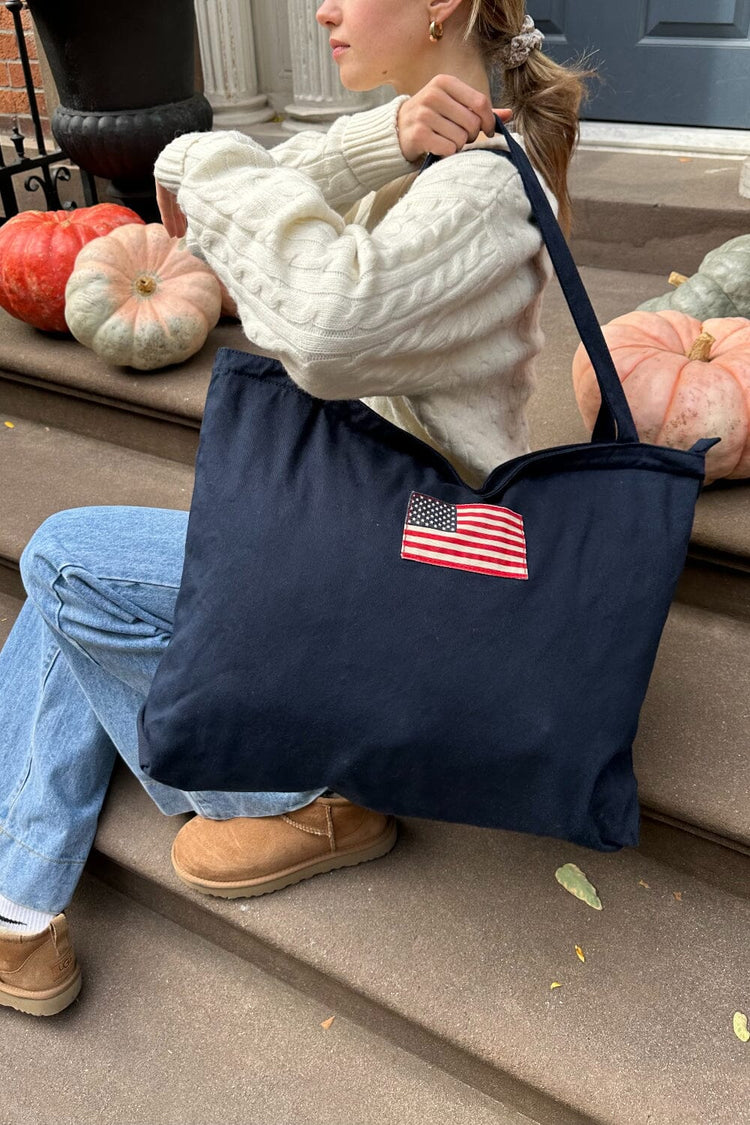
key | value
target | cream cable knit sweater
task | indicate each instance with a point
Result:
(426, 308)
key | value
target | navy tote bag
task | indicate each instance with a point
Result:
(352, 614)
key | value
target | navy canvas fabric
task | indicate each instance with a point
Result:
(307, 652)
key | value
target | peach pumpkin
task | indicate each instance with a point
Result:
(683, 379)
(137, 299)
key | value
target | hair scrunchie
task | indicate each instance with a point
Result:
(521, 45)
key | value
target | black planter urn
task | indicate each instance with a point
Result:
(125, 73)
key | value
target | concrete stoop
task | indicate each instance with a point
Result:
(9, 610)
(171, 1029)
(654, 212)
(447, 948)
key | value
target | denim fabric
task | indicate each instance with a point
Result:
(76, 668)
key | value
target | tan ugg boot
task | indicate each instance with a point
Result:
(39, 974)
(248, 856)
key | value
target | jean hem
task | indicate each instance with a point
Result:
(35, 881)
(39, 855)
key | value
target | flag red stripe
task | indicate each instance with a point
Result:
(485, 509)
(521, 574)
(416, 547)
(490, 517)
(501, 534)
(469, 564)
(413, 532)
(494, 525)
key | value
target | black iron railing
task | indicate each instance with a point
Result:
(49, 178)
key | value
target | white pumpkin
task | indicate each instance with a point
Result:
(138, 299)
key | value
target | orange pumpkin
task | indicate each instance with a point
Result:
(684, 380)
(38, 250)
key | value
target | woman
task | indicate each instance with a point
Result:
(102, 582)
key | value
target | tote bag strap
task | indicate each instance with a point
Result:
(615, 422)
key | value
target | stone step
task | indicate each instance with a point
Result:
(448, 948)
(55, 380)
(11, 586)
(46, 470)
(61, 384)
(10, 607)
(170, 1028)
(693, 695)
(690, 753)
(657, 213)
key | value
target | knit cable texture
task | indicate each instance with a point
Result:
(431, 317)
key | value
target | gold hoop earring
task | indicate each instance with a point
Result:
(436, 31)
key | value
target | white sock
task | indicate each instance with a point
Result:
(15, 919)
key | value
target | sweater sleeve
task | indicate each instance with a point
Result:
(351, 313)
(358, 154)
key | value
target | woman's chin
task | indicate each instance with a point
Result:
(360, 85)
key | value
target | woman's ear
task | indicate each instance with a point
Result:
(441, 10)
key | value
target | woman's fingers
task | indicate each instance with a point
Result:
(466, 100)
(172, 217)
(443, 116)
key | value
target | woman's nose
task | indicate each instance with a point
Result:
(324, 14)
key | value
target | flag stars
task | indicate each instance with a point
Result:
(426, 511)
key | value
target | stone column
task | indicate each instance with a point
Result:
(230, 73)
(319, 96)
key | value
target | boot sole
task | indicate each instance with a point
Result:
(293, 875)
(45, 1005)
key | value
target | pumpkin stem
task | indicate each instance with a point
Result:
(677, 279)
(145, 284)
(701, 349)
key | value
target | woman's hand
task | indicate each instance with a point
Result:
(175, 224)
(172, 217)
(443, 116)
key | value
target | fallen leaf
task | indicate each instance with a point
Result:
(327, 1023)
(555, 984)
(573, 879)
(677, 895)
(580, 954)
(642, 884)
(740, 1027)
(10, 425)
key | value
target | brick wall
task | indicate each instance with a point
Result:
(13, 99)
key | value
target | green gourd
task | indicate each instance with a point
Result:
(720, 288)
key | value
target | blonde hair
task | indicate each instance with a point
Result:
(545, 97)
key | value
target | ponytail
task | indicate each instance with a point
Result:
(545, 97)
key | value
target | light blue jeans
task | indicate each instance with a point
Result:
(101, 585)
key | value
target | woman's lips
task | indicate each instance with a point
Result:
(339, 51)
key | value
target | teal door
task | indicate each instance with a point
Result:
(673, 62)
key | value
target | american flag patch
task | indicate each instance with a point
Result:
(479, 537)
